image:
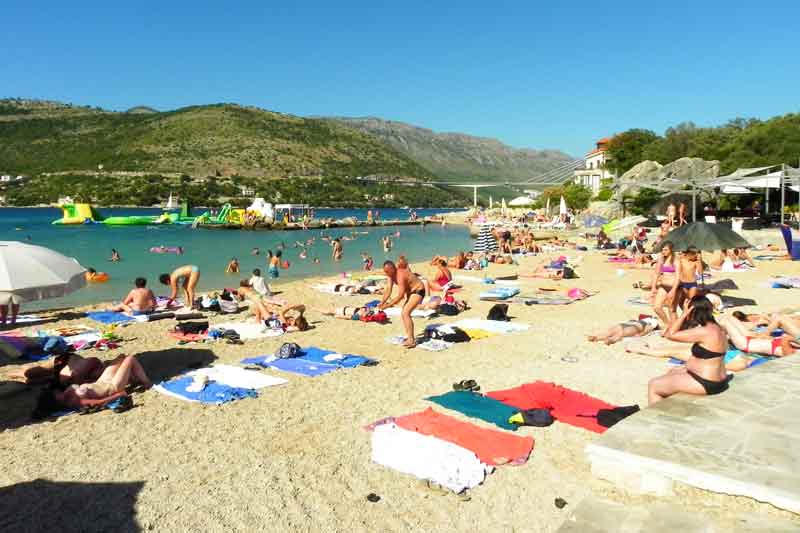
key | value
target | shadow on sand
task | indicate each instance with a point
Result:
(18, 400)
(43, 505)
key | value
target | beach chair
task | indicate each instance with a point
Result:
(792, 244)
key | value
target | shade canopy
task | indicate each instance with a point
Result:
(485, 241)
(38, 273)
(706, 237)
(521, 201)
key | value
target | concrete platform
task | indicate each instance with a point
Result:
(744, 442)
(594, 515)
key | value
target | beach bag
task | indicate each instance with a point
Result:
(539, 418)
(379, 317)
(569, 273)
(498, 312)
(228, 306)
(448, 334)
(609, 417)
(448, 310)
(288, 350)
(192, 327)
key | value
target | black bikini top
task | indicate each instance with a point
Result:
(704, 353)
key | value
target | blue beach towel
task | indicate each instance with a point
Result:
(500, 293)
(109, 317)
(477, 406)
(301, 366)
(310, 362)
(213, 393)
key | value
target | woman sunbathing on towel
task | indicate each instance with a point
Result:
(704, 372)
(734, 361)
(759, 343)
(543, 272)
(70, 368)
(348, 312)
(630, 328)
(288, 317)
(118, 374)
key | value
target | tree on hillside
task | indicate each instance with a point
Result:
(626, 148)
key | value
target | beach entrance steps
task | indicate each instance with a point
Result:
(744, 442)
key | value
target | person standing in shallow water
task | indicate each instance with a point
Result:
(338, 251)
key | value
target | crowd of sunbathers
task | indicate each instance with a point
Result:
(684, 312)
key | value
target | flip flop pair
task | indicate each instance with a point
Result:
(467, 385)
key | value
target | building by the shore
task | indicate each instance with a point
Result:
(595, 169)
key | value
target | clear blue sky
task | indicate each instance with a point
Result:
(532, 73)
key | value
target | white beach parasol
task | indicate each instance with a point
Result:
(37, 273)
(562, 209)
(521, 201)
(503, 207)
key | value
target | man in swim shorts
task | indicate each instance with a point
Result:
(139, 301)
(409, 287)
(189, 275)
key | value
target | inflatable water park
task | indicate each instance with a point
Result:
(260, 215)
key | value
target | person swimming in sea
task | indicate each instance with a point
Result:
(255, 251)
(274, 263)
(115, 257)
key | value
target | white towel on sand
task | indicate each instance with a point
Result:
(418, 313)
(427, 457)
(493, 326)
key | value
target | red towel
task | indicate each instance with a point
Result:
(568, 406)
(492, 447)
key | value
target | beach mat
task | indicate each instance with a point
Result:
(109, 317)
(566, 405)
(492, 447)
(310, 362)
(499, 293)
(475, 405)
(492, 326)
(226, 384)
(638, 300)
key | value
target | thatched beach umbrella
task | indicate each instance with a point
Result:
(706, 237)
(485, 241)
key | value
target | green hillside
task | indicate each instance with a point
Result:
(222, 139)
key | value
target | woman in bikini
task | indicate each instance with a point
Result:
(704, 373)
(764, 343)
(629, 328)
(189, 275)
(662, 283)
(442, 279)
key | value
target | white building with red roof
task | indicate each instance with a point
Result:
(595, 168)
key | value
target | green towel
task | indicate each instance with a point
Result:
(477, 406)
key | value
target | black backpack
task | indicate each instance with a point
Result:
(498, 312)
(288, 350)
(192, 327)
(447, 310)
(457, 335)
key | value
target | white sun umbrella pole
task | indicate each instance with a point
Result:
(547, 208)
(562, 209)
(32, 272)
(503, 208)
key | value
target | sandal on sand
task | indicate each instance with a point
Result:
(125, 403)
(466, 385)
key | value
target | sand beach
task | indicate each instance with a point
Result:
(297, 458)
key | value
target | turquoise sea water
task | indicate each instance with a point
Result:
(212, 249)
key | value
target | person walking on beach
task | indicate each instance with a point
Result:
(189, 275)
(273, 262)
(410, 287)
